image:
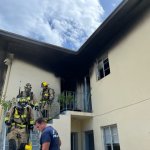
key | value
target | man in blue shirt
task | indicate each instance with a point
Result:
(49, 138)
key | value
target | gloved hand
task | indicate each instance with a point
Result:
(7, 123)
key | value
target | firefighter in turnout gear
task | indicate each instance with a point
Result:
(29, 96)
(48, 95)
(20, 120)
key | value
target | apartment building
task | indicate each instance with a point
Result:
(108, 79)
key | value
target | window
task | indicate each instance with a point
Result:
(111, 140)
(103, 68)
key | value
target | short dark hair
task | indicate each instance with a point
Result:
(40, 120)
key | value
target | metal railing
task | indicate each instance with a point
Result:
(70, 100)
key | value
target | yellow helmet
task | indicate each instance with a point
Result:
(44, 84)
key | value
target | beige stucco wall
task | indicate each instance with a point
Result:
(63, 126)
(123, 97)
(27, 73)
(80, 125)
(76, 126)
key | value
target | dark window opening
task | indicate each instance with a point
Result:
(68, 85)
(103, 68)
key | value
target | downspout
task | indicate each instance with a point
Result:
(8, 62)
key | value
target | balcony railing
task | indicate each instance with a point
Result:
(70, 100)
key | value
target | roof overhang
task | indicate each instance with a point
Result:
(67, 63)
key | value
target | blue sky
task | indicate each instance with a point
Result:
(109, 6)
(65, 23)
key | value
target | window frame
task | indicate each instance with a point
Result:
(101, 66)
(110, 128)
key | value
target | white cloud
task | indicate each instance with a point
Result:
(63, 22)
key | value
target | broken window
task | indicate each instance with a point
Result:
(103, 68)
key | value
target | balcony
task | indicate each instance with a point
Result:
(75, 101)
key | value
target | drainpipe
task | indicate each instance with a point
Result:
(8, 62)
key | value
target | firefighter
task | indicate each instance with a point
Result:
(48, 95)
(20, 121)
(29, 95)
